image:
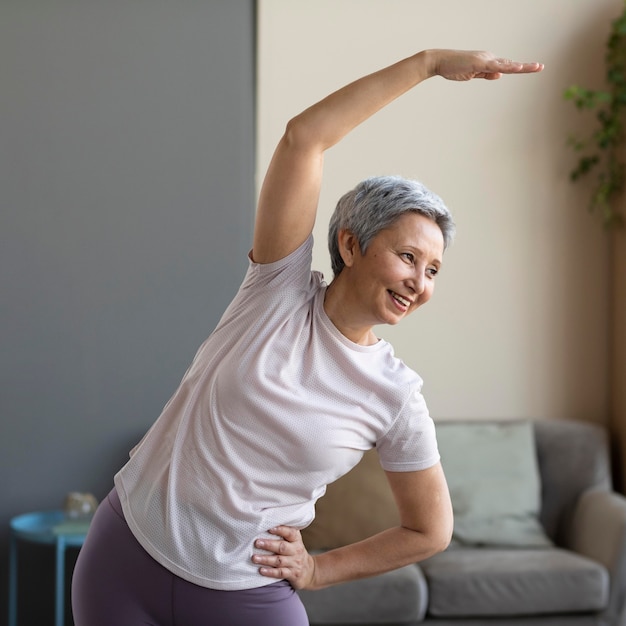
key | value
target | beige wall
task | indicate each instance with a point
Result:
(517, 327)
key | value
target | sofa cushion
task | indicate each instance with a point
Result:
(358, 505)
(475, 582)
(494, 482)
(397, 597)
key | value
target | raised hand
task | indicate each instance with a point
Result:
(464, 65)
(289, 559)
(288, 200)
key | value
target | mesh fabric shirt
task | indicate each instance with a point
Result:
(276, 404)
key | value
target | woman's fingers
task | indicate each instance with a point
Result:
(289, 533)
(287, 559)
(507, 66)
(465, 65)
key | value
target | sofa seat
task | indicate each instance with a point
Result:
(397, 597)
(483, 582)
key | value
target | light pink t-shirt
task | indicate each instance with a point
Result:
(276, 404)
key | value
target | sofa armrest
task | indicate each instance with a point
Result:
(598, 531)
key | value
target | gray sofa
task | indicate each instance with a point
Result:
(577, 580)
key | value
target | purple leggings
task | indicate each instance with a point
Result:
(117, 583)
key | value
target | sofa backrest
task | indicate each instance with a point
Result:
(573, 457)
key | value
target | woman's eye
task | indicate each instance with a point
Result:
(408, 256)
(432, 271)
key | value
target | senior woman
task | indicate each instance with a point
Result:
(202, 526)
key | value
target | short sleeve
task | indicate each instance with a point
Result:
(411, 443)
(293, 270)
(269, 287)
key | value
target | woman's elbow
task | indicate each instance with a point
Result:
(296, 133)
(438, 538)
(442, 540)
(302, 133)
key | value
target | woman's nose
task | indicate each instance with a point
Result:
(418, 282)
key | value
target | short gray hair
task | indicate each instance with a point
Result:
(375, 204)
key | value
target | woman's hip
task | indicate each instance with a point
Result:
(117, 582)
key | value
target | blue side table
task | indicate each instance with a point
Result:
(46, 527)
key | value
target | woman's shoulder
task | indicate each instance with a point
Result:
(292, 268)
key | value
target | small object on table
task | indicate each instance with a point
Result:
(80, 505)
(57, 528)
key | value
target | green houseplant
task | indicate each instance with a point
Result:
(602, 156)
(602, 152)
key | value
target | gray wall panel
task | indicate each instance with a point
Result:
(126, 204)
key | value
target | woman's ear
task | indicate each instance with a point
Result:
(348, 246)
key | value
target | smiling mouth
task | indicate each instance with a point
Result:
(404, 302)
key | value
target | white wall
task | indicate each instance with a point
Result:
(517, 327)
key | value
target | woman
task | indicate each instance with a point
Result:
(284, 397)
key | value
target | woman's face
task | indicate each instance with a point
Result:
(397, 273)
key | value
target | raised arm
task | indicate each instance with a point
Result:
(290, 192)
